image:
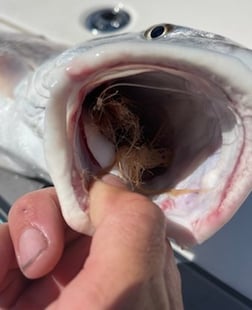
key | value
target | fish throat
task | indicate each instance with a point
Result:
(140, 149)
(157, 127)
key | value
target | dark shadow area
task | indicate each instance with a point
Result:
(202, 291)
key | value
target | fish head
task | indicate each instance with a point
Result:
(168, 110)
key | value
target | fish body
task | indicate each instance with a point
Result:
(20, 55)
(168, 109)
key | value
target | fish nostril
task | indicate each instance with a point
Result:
(107, 20)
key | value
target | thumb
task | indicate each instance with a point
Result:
(125, 217)
(128, 249)
(126, 222)
(103, 197)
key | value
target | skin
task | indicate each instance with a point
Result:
(127, 264)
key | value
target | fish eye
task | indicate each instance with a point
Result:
(157, 31)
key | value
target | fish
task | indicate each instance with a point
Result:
(167, 109)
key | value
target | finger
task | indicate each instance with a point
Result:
(128, 219)
(37, 230)
(129, 244)
(127, 252)
(173, 285)
(11, 279)
(6, 252)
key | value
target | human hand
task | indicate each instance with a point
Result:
(127, 264)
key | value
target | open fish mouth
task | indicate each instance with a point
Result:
(174, 131)
(156, 128)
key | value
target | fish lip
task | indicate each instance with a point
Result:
(75, 77)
